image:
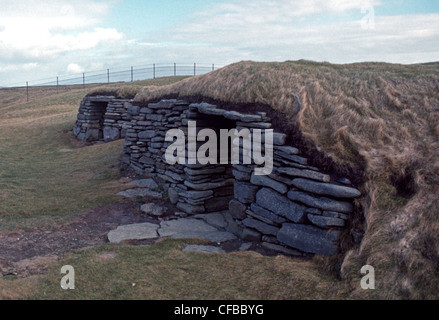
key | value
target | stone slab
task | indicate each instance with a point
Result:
(140, 192)
(287, 149)
(279, 138)
(148, 183)
(242, 176)
(260, 226)
(250, 235)
(208, 185)
(214, 219)
(245, 192)
(309, 239)
(304, 173)
(265, 181)
(188, 228)
(171, 227)
(173, 196)
(325, 222)
(190, 208)
(321, 202)
(111, 133)
(237, 209)
(262, 213)
(280, 249)
(202, 249)
(196, 195)
(326, 189)
(137, 231)
(280, 205)
(245, 246)
(153, 209)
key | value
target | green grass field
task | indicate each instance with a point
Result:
(43, 174)
(163, 271)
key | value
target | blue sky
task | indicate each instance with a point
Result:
(43, 39)
(137, 18)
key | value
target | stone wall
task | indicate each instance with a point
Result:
(297, 209)
(102, 118)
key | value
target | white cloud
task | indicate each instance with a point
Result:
(61, 14)
(33, 29)
(284, 30)
(279, 11)
(74, 68)
(16, 67)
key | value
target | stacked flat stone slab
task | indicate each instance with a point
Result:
(145, 146)
(295, 210)
(117, 119)
(196, 188)
(102, 118)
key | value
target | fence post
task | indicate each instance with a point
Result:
(83, 80)
(213, 66)
(175, 69)
(153, 71)
(57, 82)
(131, 74)
(108, 76)
(27, 91)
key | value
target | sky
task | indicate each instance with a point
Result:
(41, 40)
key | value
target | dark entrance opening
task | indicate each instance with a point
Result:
(219, 175)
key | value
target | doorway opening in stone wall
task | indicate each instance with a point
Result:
(103, 118)
(90, 120)
(101, 108)
(208, 187)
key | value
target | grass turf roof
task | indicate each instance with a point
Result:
(381, 119)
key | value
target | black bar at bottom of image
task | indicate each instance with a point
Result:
(224, 309)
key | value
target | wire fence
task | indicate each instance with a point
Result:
(131, 74)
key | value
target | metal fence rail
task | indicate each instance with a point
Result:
(131, 74)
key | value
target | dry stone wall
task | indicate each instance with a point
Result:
(102, 118)
(297, 209)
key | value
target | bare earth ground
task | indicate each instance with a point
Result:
(85, 230)
(28, 252)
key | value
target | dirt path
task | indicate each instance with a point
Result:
(19, 248)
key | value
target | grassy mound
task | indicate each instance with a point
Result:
(378, 120)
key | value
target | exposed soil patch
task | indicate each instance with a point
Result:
(85, 230)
